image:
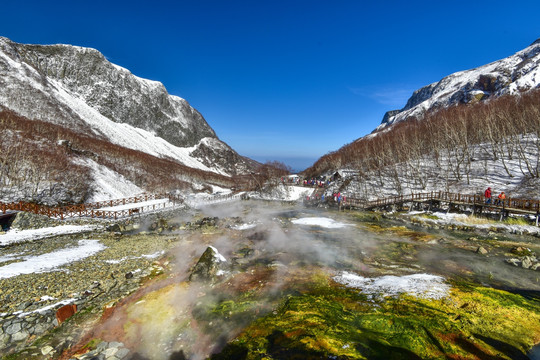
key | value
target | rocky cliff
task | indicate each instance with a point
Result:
(511, 75)
(79, 88)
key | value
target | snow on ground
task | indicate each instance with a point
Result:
(200, 199)
(217, 255)
(126, 135)
(419, 285)
(45, 308)
(465, 220)
(320, 221)
(147, 256)
(283, 192)
(109, 184)
(218, 190)
(297, 193)
(14, 235)
(245, 226)
(484, 172)
(136, 205)
(51, 261)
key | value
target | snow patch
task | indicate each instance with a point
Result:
(217, 255)
(420, 285)
(320, 221)
(136, 205)
(244, 226)
(109, 184)
(44, 309)
(15, 235)
(51, 261)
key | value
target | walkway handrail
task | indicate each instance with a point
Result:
(93, 209)
(472, 199)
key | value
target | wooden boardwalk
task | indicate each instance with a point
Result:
(94, 210)
(454, 201)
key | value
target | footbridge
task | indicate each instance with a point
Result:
(109, 209)
(477, 204)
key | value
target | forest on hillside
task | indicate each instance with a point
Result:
(455, 145)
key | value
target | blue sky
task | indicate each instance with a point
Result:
(285, 80)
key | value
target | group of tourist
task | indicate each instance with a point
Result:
(338, 198)
(488, 197)
(315, 182)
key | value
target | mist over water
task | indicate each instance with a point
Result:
(175, 315)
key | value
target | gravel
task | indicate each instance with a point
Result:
(28, 302)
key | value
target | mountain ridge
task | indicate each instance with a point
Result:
(78, 87)
(510, 75)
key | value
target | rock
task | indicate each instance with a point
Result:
(521, 251)
(481, 250)
(122, 353)
(114, 344)
(20, 336)
(26, 220)
(111, 351)
(13, 328)
(102, 346)
(114, 228)
(535, 266)
(4, 340)
(41, 328)
(129, 275)
(46, 349)
(526, 262)
(513, 261)
(208, 265)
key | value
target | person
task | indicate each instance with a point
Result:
(487, 195)
(500, 198)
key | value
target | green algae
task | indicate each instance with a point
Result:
(401, 231)
(338, 322)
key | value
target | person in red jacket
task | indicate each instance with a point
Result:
(487, 195)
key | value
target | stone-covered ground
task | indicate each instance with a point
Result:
(276, 296)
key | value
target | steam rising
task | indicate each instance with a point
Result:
(176, 315)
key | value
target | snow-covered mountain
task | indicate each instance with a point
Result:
(511, 75)
(80, 89)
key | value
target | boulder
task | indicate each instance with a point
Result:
(521, 251)
(481, 250)
(25, 220)
(513, 261)
(526, 262)
(208, 266)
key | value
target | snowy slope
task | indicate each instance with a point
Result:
(516, 73)
(78, 88)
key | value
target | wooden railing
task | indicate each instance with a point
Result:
(93, 210)
(528, 205)
(215, 199)
(509, 204)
